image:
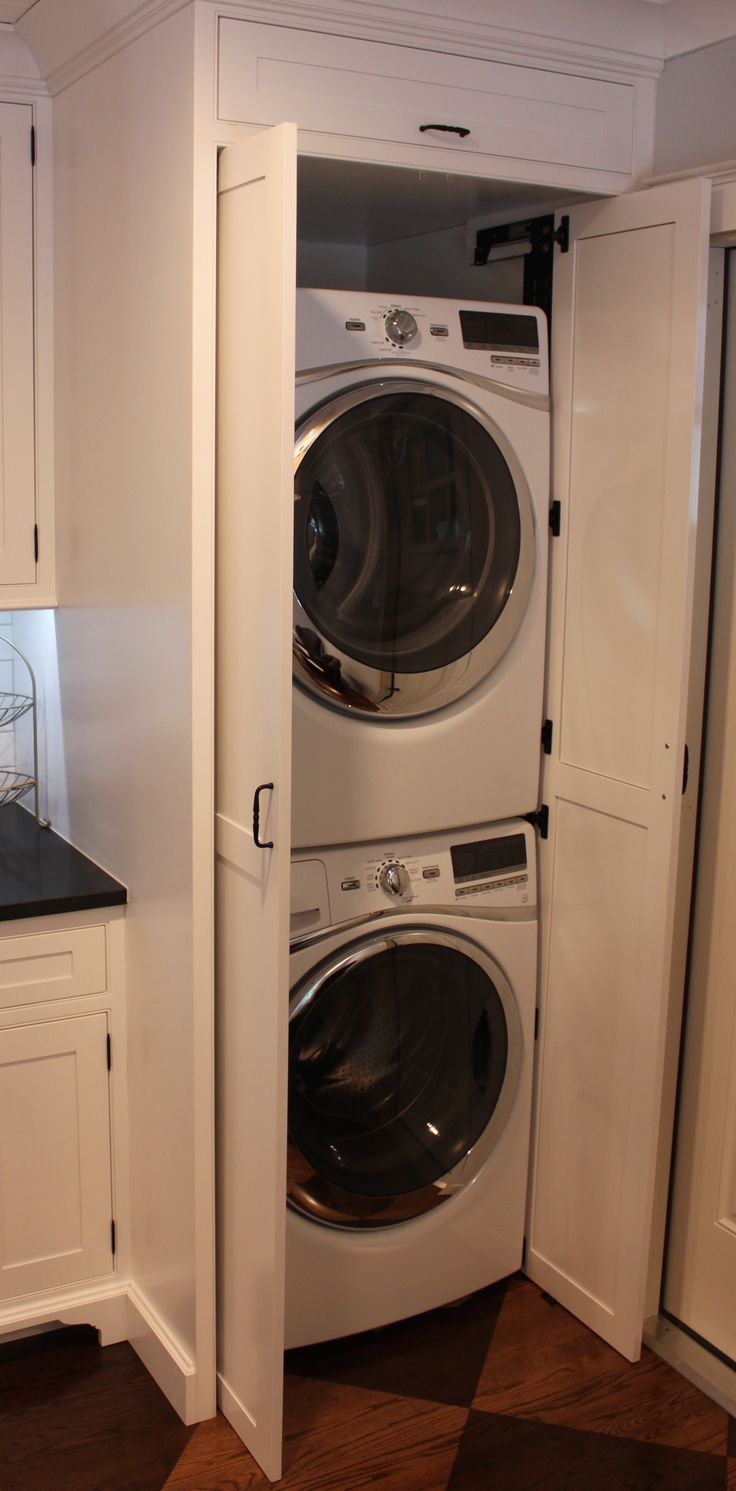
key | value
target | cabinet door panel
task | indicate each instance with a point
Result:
(343, 86)
(55, 1207)
(17, 477)
(629, 317)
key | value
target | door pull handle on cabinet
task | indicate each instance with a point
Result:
(259, 843)
(449, 129)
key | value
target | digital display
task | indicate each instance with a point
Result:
(488, 857)
(499, 331)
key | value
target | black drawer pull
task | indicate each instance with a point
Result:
(450, 129)
(264, 787)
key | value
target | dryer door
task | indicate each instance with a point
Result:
(405, 1053)
(413, 548)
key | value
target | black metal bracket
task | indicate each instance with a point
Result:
(541, 235)
(259, 843)
(547, 729)
(540, 820)
(555, 516)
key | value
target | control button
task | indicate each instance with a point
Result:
(350, 884)
(431, 872)
(355, 325)
(439, 331)
(400, 327)
(394, 879)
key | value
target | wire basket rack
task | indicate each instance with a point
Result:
(15, 784)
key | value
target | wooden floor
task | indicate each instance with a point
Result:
(506, 1392)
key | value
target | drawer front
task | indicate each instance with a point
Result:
(52, 965)
(337, 85)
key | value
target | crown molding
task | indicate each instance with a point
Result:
(721, 173)
(24, 90)
(71, 53)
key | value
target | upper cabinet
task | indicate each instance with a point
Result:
(17, 424)
(418, 107)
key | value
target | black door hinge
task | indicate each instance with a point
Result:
(109, 1053)
(523, 1251)
(35, 542)
(547, 729)
(561, 235)
(685, 769)
(113, 1239)
(555, 514)
(33, 144)
(536, 1022)
(540, 820)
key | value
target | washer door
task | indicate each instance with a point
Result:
(413, 548)
(405, 1053)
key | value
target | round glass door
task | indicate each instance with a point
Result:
(404, 1058)
(413, 548)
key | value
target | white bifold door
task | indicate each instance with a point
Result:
(628, 352)
(628, 338)
(255, 446)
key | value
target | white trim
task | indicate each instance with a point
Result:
(720, 173)
(693, 1361)
(361, 18)
(101, 1305)
(162, 1355)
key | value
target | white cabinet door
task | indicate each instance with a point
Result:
(340, 86)
(255, 447)
(629, 335)
(55, 1195)
(17, 469)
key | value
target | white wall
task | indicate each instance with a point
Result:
(696, 109)
(123, 262)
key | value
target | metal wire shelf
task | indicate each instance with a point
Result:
(15, 784)
(13, 707)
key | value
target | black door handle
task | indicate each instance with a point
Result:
(259, 843)
(450, 129)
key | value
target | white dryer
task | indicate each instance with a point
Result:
(421, 520)
(411, 1038)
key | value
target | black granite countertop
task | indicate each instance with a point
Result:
(41, 875)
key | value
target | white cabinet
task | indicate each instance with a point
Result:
(17, 428)
(54, 1154)
(447, 112)
(62, 1121)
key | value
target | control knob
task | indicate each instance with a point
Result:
(394, 879)
(400, 327)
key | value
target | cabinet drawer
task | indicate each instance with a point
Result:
(52, 965)
(338, 85)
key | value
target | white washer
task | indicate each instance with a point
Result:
(421, 521)
(411, 1038)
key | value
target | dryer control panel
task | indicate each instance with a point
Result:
(505, 344)
(475, 870)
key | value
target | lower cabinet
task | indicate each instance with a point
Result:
(55, 1178)
(63, 1193)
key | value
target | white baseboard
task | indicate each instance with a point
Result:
(162, 1355)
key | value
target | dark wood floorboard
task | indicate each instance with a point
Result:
(505, 1393)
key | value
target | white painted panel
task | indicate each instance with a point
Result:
(700, 1283)
(52, 965)
(17, 469)
(125, 488)
(255, 441)
(593, 1251)
(586, 1059)
(55, 1206)
(339, 85)
(616, 501)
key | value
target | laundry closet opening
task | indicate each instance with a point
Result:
(411, 232)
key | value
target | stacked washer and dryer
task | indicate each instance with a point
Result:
(420, 565)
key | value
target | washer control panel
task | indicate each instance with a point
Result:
(491, 868)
